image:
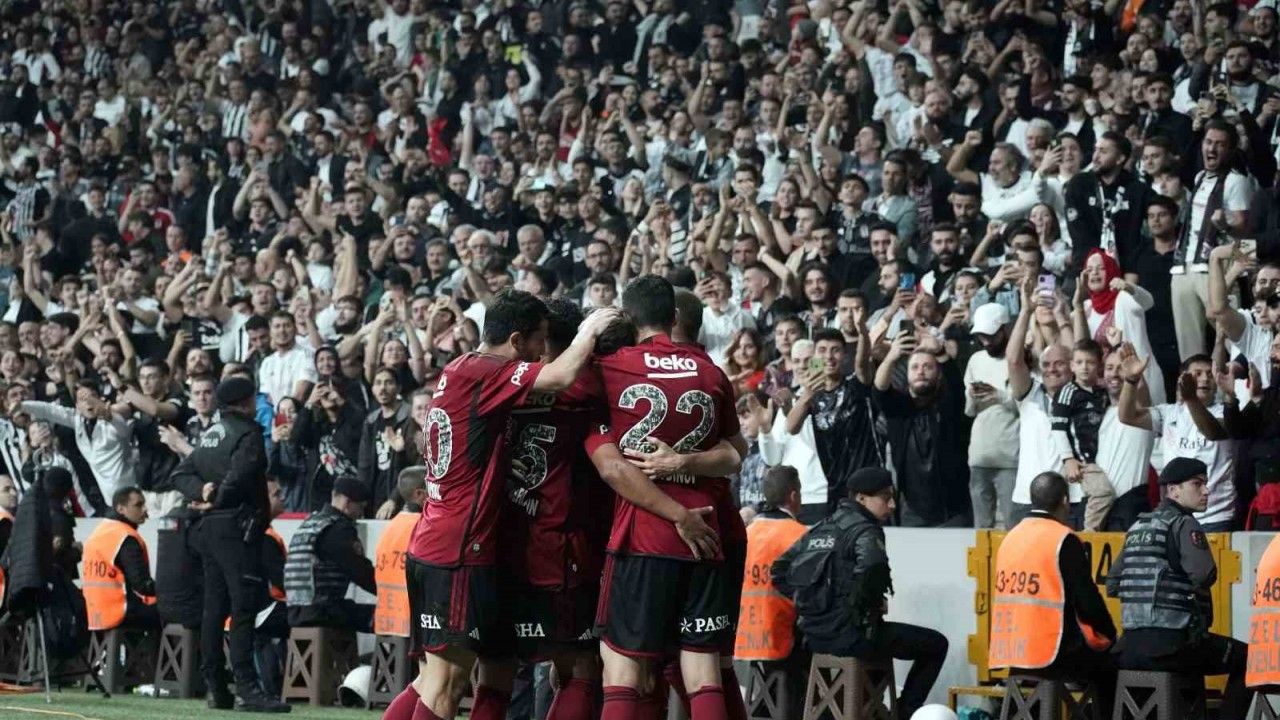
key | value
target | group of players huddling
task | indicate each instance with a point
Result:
(514, 557)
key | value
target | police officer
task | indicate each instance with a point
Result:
(1047, 614)
(325, 556)
(1162, 578)
(225, 478)
(838, 576)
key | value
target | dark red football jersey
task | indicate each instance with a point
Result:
(552, 503)
(467, 458)
(676, 394)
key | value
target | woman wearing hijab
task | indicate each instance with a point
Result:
(1112, 311)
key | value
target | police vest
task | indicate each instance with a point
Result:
(1153, 592)
(391, 616)
(1028, 613)
(765, 625)
(212, 456)
(105, 595)
(308, 579)
(1264, 626)
(4, 515)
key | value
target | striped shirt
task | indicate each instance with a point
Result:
(96, 61)
(22, 208)
(235, 120)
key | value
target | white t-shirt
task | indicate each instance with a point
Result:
(1235, 198)
(1179, 437)
(1255, 345)
(1036, 453)
(143, 303)
(718, 329)
(280, 372)
(1124, 452)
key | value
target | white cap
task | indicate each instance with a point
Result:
(1263, 5)
(989, 318)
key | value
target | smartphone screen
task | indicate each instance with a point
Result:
(1046, 284)
(907, 282)
(816, 363)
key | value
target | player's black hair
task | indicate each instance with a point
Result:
(512, 311)
(563, 319)
(651, 302)
(620, 333)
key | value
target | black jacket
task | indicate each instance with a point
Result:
(232, 456)
(860, 574)
(382, 482)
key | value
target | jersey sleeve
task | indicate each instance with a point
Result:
(728, 409)
(601, 434)
(508, 386)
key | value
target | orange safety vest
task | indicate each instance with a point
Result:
(1027, 615)
(391, 616)
(4, 515)
(277, 593)
(1264, 626)
(105, 594)
(767, 619)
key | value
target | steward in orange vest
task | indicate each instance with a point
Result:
(1264, 627)
(1047, 611)
(391, 615)
(766, 623)
(116, 575)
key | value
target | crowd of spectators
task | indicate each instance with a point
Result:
(968, 241)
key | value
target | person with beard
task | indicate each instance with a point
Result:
(1190, 428)
(926, 432)
(384, 449)
(1007, 190)
(1151, 269)
(1239, 88)
(1071, 117)
(973, 109)
(944, 247)
(1124, 451)
(1105, 205)
(993, 441)
(1034, 399)
(1266, 44)
(840, 405)
(965, 200)
(1161, 118)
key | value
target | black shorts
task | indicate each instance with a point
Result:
(458, 607)
(549, 620)
(654, 606)
(735, 566)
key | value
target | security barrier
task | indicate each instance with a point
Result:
(1101, 549)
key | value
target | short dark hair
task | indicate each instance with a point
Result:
(1122, 143)
(512, 311)
(1048, 490)
(257, 322)
(1089, 346)
(563, 319)
(650, 301)
(830, 334)
(1193, 359)
(121, 495)
(779, 482)
(689, 312)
